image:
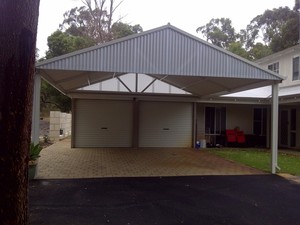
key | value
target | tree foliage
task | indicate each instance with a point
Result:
(270, 32)
(61, 43)
(52, 99)
(120, 30)
(219, 32)
(278, 27)
(237, 48)
(93, 20)
(82, 27)
(259, 50)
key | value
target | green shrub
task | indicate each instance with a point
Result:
(34, 152)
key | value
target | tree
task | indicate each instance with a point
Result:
(219, 32)
(278, 28)
(120, 30)
(60, 43)
(52, 99)
(259, 50)
(18, 27)
(93, 20)
(237, 48)
(82, 27)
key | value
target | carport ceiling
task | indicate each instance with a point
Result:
(166, 53)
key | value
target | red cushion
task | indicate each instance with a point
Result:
(240, 136)
(230, 135)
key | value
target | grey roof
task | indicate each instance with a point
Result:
(166, 53)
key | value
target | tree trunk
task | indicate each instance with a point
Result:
(18, 30)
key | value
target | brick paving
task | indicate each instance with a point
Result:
(59, 161)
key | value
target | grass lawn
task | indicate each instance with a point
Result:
(260, 159)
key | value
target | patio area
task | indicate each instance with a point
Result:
(60, 161)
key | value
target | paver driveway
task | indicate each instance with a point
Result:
(60, 161)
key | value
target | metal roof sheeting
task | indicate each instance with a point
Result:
(162, 51)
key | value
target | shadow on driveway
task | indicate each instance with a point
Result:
(193, 200)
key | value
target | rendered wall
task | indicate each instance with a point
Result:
(240, 116)
(60, 125)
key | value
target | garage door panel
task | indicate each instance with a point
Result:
(101, 123)
(165, 124)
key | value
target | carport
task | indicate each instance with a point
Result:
(166, 54)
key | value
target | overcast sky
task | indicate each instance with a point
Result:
(187, 15)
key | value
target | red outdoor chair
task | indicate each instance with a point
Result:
(230, 136)
(240, 137)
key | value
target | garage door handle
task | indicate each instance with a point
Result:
(104, 128)
(166, 128)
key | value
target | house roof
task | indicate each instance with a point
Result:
(277, 55)
(165, 53)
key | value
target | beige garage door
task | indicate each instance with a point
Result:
(165, 124)
(103, 123)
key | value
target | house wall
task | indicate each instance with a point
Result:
(285, 66)
(288, 86)
(236, 116)
(240, 116)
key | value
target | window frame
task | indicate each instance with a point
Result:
(216, 117)
(295, 68)
(274, 67)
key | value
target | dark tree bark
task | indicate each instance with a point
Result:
(18, 29)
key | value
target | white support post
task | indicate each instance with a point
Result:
(274, 132)
(194, 124)
(35, 124)
(136, 82)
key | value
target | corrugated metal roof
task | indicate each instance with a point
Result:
(164, 51)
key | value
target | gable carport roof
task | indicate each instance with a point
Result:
(168, 54)
(165, 53)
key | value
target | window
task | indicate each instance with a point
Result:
(296, 68)
(274, 67)
(215, 120)
(260, 121)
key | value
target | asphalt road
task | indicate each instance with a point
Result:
(197, 200)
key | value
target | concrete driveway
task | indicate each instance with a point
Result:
(59, 161)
